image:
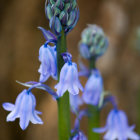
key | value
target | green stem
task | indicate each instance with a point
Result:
(138, 110)
(93, 122)
(63, 102)
(94, 113)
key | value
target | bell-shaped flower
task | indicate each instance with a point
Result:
(93, 88)
(75, 102)
(68, 80)
(24, 109)
(79, 136)
(48, 67)
(117, 127)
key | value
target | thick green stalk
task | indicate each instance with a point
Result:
(94, 114)
(93, 122)
(63, 102)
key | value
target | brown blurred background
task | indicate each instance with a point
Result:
(20, 41)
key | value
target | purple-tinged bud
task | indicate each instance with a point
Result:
(62, 14)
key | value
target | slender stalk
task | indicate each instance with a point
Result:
(94, 114)
(63, 102)
(138, 110)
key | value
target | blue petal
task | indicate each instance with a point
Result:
(47, 34)
(133, 136)
(100, 130)
(25, 111)
(38, 112)
(15, 113)
(8, 106)
(111, 135)
(35, 119)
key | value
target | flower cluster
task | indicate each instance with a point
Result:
(93, 43)
(62, 14)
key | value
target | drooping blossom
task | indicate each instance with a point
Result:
(48, 67)
(93, 88)
(24, 109)
(117, 127)
(69, 80)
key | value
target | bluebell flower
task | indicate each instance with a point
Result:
(79, 136)
(69, 80)
(93, 88)
(24, 109)
(48, 67)
(117, 127)
(75, 102)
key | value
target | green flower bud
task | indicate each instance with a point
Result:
(66, 11)
(94, 41)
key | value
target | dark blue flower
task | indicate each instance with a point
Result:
(93, 88)
(24, 109)
(48, 67)
(69, 80)
(117, 127)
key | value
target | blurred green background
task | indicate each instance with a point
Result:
(19, 44)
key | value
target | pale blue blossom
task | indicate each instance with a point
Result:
(69, 80)
(48, 67)
(117, 127)
(93, 88)
(24, 109)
